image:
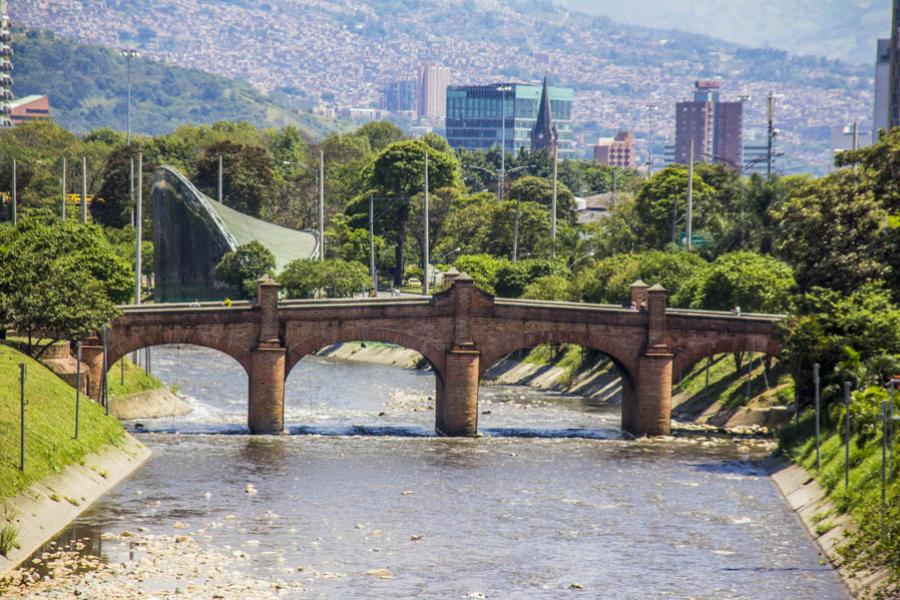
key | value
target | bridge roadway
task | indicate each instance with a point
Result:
(460, 331)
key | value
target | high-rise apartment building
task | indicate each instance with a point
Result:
(616, 151)
(715, 127)
(476, 114)
(6, 66)
(399, 96)
(894, 82)
(881, 117)
(432, 92)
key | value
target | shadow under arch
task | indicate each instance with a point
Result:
(620, 354)
(434, 355)
(687, 358)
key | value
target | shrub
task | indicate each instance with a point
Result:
(9, 539)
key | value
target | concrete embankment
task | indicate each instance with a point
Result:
(48, 506)
(809, 501)
(151, 404)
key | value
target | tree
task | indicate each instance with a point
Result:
(380, 134)
(482, 268)
(550, 287)
(514, 277)
(61, 280)
(540, 190)
(114, 205)
(247, 181)
(397, 175)
(610, 279)
(240, 268)
(350, 244)
(661, 204)
(832, 232)
(335, 277)
(755, 282)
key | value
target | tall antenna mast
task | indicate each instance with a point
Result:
(6, 66)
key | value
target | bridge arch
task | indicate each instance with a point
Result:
(122, 343)
(432, 353)
(697, 351)
(624, 358)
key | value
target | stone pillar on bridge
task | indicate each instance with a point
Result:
(267, 365)
(651, 410)
(456, 401)
(639, 294)
(92, 356)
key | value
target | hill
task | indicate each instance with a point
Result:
(838, 29)
(87, 86)
(341, 53)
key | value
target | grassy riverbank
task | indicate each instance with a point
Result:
(50, 424)
(877, 543)
(136, 380)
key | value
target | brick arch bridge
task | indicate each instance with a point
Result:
(461, 332)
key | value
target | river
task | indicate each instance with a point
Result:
(363, 501)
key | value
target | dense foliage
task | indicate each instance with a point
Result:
(242, 267)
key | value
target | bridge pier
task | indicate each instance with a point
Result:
(647, 408)
(265, 414)
(456, 400)
(92, 356)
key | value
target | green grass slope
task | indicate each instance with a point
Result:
(136, 380)
(49, 423)
(87, 86)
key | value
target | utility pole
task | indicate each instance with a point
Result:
(131, 191)
(553, 207)
(372, 243)
(321, 205)
(138, 232)
(63, 188)
(221, 190)
(83, 190)
(855, 135)
(425, 253)
(501, 180)
(690, 198)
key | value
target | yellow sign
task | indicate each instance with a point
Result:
(76, 198)
(6, 197)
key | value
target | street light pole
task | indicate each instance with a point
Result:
(690, 198)
(372, 243)
(553, 203)
(129, 53)
(138, 232)
(425, 257)
(321, 205)
(83, 190)
(651, 108)
(63, 188)
(221, 190)
(15, 208)
(502, 179)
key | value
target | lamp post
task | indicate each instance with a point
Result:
(372, 243)
(425, 286)
(503, 89)
(651, 108)
(771, 132)
(129, 53)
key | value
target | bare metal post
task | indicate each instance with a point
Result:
(77, 386)
(884, 443)
(816, 383)
(21, 416)
(846, 435)
(891, 432)
(105, 390)
(64, 188)
(83, 190)
(131, 192)
(15, 207)
(425, 257)
(221, 191)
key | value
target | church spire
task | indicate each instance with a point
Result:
(544, 135)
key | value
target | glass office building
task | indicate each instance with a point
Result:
(475, 114)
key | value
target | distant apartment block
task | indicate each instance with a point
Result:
(30, 108)
(755, 157)
(715, 127)
(432, 92)
(476, 115)
(399, 96)
(616, 151)
(894, 72)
